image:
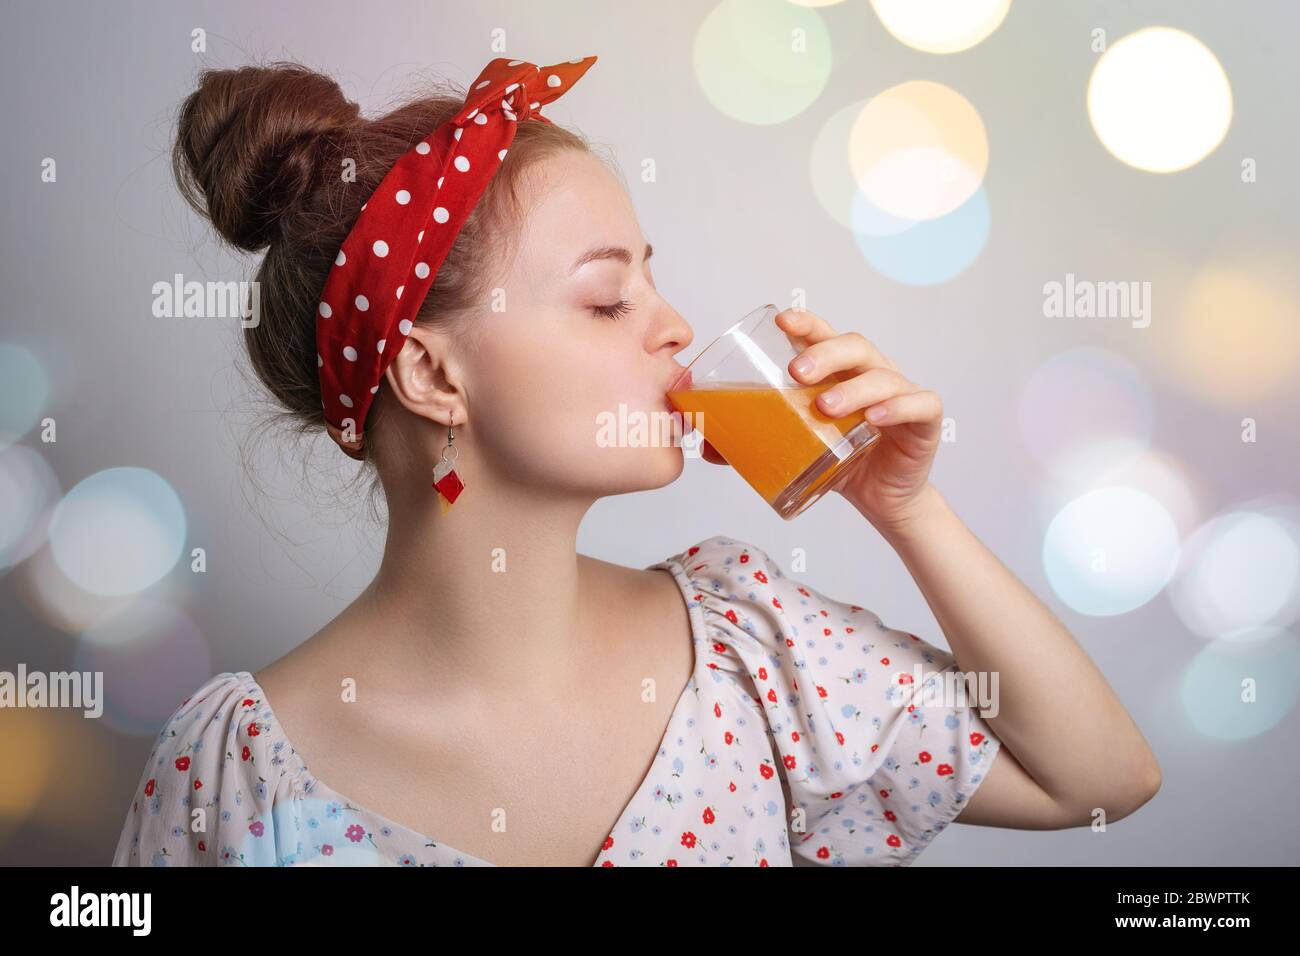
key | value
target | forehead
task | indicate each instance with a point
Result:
(571, 202)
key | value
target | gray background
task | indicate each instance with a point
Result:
(734, 223)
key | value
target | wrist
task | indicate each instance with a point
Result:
(926, 505)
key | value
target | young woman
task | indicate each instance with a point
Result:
(494, 697)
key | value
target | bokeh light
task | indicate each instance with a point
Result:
(1110, 551)
(1266, 667)
(941, 26)
(29, 490)
(1238, 334)
(918, 150)
(1240, 571)
(1086, 411)
(922, 253)
(762, 61)
(118, 531)
(1158, 99)
(28, 741)
(24, 390)
(152, 655)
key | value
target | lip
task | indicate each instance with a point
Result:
(681, 380)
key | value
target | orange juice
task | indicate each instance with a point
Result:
(772, 436)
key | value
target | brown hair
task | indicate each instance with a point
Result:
(261, 151)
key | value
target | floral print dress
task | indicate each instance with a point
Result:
(796, 736)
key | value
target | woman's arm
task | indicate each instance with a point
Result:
(1070, 746)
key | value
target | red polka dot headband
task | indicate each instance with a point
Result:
(406, 228)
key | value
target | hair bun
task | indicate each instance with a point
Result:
(248, 145)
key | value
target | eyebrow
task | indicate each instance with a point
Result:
(608, 252)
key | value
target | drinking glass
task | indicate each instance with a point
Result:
(740, 396)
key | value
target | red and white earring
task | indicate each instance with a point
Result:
(445, 480)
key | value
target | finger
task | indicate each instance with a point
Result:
(850, 351)
(922, 406)
(806, 325)
(872, 387)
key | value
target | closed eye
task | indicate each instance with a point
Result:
(615, 311)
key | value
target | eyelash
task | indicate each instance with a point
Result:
(615, 311)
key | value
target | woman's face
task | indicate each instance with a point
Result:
(576, 329)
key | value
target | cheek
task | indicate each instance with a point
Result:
(540, 404)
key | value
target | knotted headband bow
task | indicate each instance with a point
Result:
(406, 228)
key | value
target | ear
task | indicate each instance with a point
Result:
(424, 377)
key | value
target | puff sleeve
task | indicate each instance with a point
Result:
(872, 770)
(212, 788)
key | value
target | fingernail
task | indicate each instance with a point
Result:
(830, 399)
(877, 413)
(803, 366)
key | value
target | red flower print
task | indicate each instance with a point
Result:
(848, 630)
(717, 709)
(894, 841)
(840, 737)
(804, 593)
(148, 788)
(943, 769)
(609, 842)
(607, 863)
(790, 761)
(884, 661)
(763, 862)
(884, 794)
(690, 552)
(891, 816)
(707, 815)
(248, 702)
(765, 770)
(762, 673)
(732, 786)
(826, 631)
(744, 557)
(728, 738)
(760, 576)
(182, 764)
(253, 731)
(731, 616)
(776, 602)
(257, 828)
(671, 863)
(789, 642)
(976, 738)
(823, 853)
(326, 850)
(837, 794)
(198, 784)
(824, 614)
(854, 607)
(247, 753)
(771, 695)
(821, 691)
(924, 756)
(688, 839)
(794, 735)
(203, 847)
(905, 678)
(355, 833)
(719, 647)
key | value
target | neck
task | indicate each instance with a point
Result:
(491, 595)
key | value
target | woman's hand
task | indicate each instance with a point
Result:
(888, 485)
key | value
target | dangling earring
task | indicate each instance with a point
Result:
(445, 479)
